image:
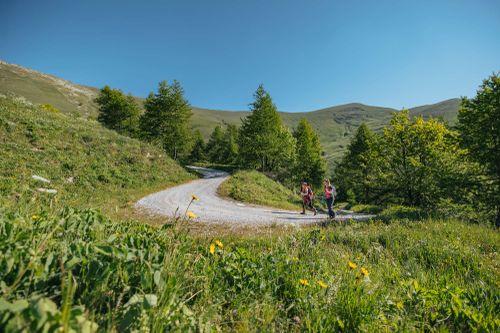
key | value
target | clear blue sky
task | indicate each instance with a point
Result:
(309, 54)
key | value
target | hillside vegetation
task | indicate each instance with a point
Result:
(78, 270)
(88, 165)
(256, 188)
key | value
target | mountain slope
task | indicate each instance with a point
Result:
(88, 165)
(335, 125)
(446, 110)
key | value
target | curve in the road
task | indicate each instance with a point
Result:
(213, 209)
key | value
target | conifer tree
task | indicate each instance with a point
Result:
(310, 164)
(118, 111)
(230, 144)
(357, 171)
(264, 143)
(166, 119)
(479, 127)
(198, 153)
(215, 145)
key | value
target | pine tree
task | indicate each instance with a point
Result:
(264, 143)
(215, 145)
(310, 164)
(357, 171)
(118, 111)
(198, 153)
(230, 145)
(166, 120)
(479, 127)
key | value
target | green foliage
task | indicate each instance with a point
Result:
(420, 156)
(230, 140)
(166, 120)
(117, 111)
(49, 108)
(310, 165)
(256, 188)
(75, 269)
(415, 163)
(198, 153)
(479, 127)
(357, 171)
(86, 164)
(222, 145)
(215, 145)
(264, 143)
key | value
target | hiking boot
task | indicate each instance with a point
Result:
(303, 213)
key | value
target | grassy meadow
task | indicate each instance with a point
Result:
(78, 270)
(81, 260)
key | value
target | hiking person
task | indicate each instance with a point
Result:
(330, 193)
(307, 198)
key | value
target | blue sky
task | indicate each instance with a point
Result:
(308, 54)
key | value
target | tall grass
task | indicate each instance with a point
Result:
(77, 269)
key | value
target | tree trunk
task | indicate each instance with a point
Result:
(497, 221)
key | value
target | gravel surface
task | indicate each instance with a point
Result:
(213, 209)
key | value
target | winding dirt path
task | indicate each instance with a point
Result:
(214, 209)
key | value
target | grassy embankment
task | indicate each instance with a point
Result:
(88, 165)
(256, 188)
(76, 269)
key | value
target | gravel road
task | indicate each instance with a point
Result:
(213, 209)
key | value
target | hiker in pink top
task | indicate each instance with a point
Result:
(330, 193)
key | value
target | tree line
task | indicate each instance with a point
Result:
(412, 162)
(262, 142)
(427, 164)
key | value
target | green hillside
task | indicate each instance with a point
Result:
(335, 125)
(256, 188)
(88, 165)
(446, 110)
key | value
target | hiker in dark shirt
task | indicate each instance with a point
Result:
(307, 195)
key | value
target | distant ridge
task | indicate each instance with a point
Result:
(335, 125)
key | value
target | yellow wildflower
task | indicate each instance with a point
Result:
(399, 305)
(35, 217)
(303, 282)
(219, 244)
(212, 248)
(322, 284)
(191, 215)
(364, 271)
(194, 197)
(295, 259)
(352, 265)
